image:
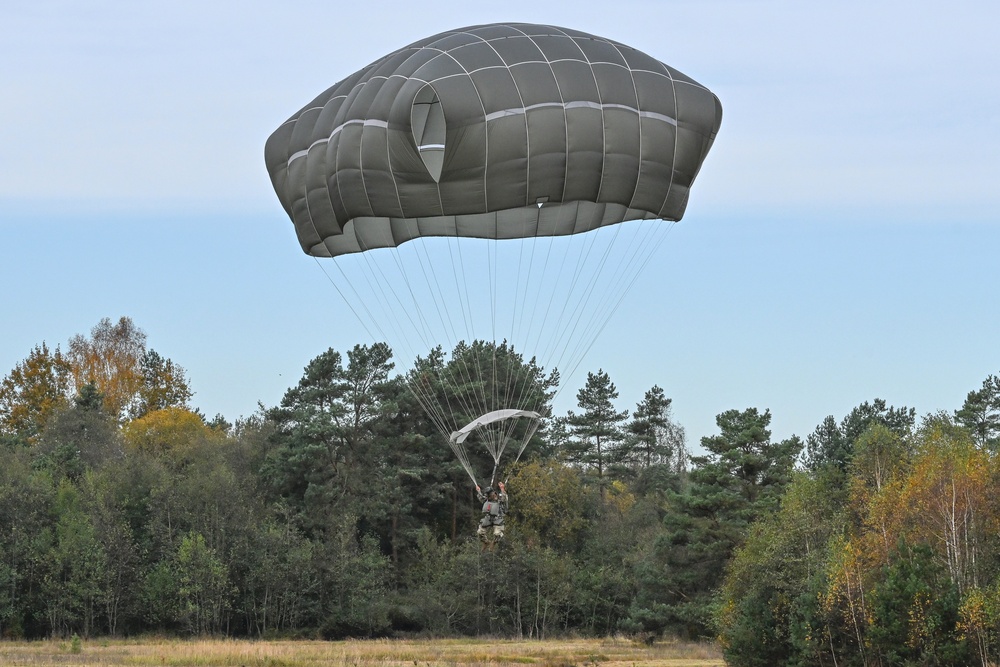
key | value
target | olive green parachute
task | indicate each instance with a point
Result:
(469, 188)
(493, 131)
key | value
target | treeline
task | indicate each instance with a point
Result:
(342, 512)
(885, 549)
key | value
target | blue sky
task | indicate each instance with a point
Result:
(840, 244)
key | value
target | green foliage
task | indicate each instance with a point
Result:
(72, 566)
(488, 369)
(119, 577)
(880, 562)
(553, 509)
(596, 434)
(203, 589)
(442, 594)
(159, 596)
(744, 462)
(164, 385)
(343, 513)
(831, 445)
(880, 455)
(915, 613)
(80, 437)
(738, 481)
(27, 497)
(279, 583)
(980, 621)
(758, 637)
(980, 413)
(655, 438)
(325, 434)
(769, 609)
(355, 579)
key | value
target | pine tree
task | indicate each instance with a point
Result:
(981, 413)
(738, 481)
(596, 433)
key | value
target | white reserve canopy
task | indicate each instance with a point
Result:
(461, 434)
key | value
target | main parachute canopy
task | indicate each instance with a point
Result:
(494, 131)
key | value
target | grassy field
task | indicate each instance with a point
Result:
(375, 653)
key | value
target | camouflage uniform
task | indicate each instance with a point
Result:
(494, 508)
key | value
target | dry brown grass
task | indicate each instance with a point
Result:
(613, 652)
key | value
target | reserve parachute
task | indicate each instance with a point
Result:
(493, 190)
